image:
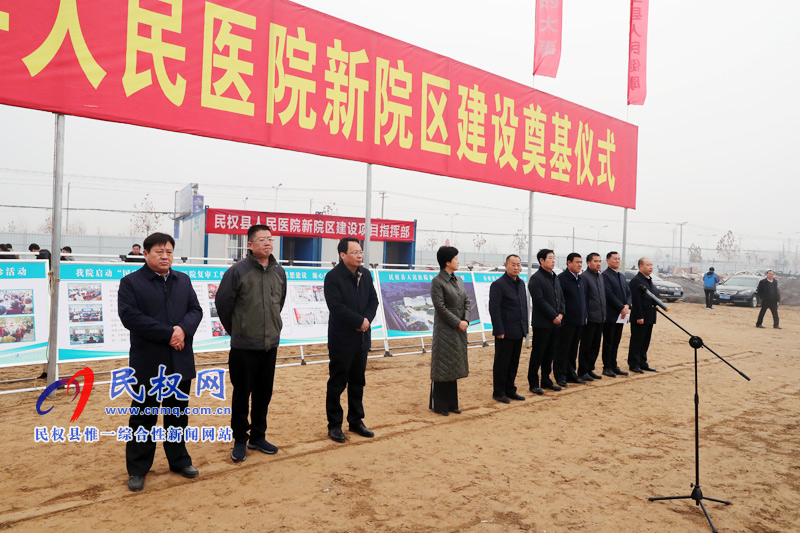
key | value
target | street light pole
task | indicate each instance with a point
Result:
(276, 196)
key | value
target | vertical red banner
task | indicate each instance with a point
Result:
(637, 53)
(547, 49)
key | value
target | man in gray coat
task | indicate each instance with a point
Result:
(249, 302)
(596, 309)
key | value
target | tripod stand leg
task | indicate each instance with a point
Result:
(726, 502)
(670, 498)
(710, 523)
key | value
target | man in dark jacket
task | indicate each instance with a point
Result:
(352, 302)
(574, 291)
(249, 302)
(508, 307)
(596, 315)
(618, 304)
(547, 311)
(643, 317)
(160, 308)
(770, 297)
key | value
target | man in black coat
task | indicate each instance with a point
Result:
(643, 317)
(618, 303)
(160, 308)
(352, 302)
(508, 307)
(770, 297)
(596, 315)
(547, 311)
(574, 291)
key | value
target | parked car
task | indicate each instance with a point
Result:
(741, 290)
(666, 290)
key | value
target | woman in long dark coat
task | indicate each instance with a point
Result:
(451, 318)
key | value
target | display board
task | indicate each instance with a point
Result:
(483, 282)
(407, 305)
(24, 312)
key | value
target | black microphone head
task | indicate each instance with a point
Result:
(642, 289)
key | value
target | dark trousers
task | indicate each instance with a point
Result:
(590, 347)
(346, 370)
(444, 396)
(543, 348)
(640, 342)
(772, 307)
(612, 333)
(506, 364)
(709, 299)
(252, 374)
(139, 455)
(566, 356)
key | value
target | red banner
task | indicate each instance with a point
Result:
(237, 222)
(547, 48)
(278, 74)
(637, 53)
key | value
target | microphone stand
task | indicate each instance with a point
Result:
(697, 494)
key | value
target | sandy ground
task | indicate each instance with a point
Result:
(584, 459)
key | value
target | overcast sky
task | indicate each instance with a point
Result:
(718, 133)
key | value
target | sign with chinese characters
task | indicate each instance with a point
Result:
(483, 284)
(547, 48)
(88, 320)
(236, 222)
(407, 306)
(278, 74)
(637, 53)
(24, 312)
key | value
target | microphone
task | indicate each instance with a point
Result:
(653, 298)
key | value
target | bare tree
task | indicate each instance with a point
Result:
(695, 254)
(479, 240)
(47, 225)
(330, 209)
(144, 221)
(520, 241)
(11, 227)
(77, 228)
(728, 247)
(431, 242)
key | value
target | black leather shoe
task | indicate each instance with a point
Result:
(336, 435)
(562, 384)
(502, 399)
(552, 386)
(456, 411)
(537, 390)
(187, 471)
(609, 373)
(649, 368)
(760, 326)
(362, 430)
(515, 396)
(592, 375)
(618, 371)
(637, 370)
(239, 452)
(776, 327)
(443, 413)
(586, 378)
(136, 483)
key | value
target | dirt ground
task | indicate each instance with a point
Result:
(584, 459)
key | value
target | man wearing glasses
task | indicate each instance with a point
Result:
(352, 302)
(249, 302)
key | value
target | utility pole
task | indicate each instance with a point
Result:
(680, 245)
(383, 199)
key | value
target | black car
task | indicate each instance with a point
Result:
(740, 290)
(665, 290)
